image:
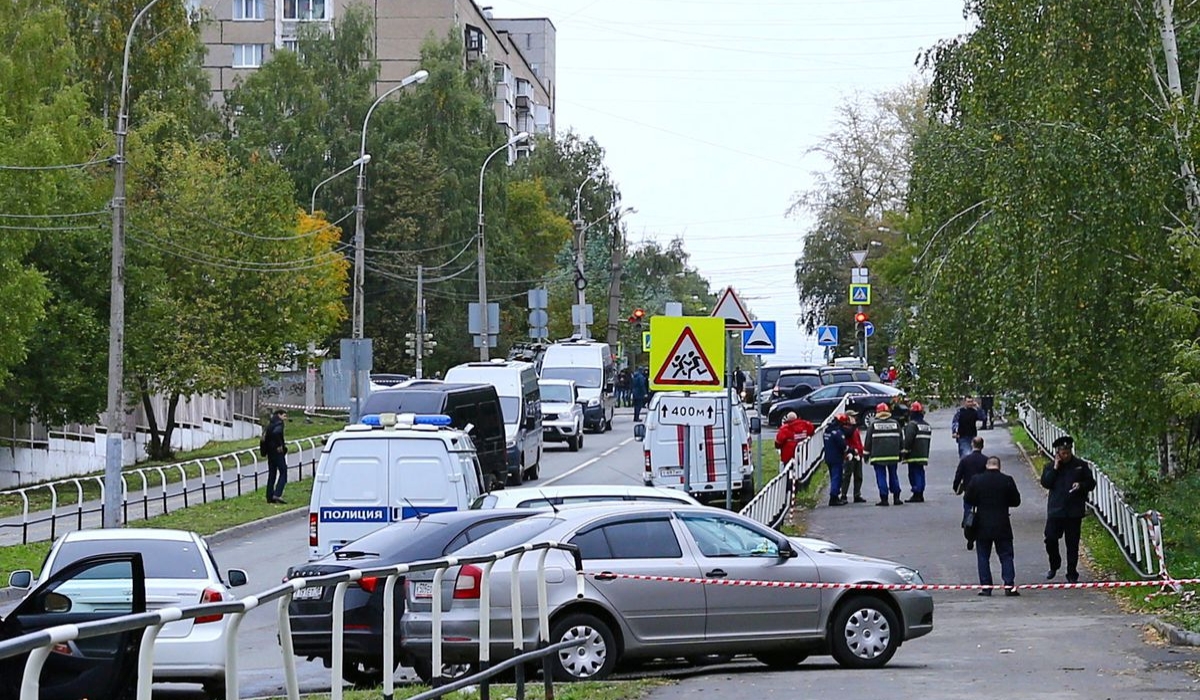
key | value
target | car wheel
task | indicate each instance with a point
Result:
(518, 478)
(774, 419)
(576, 442)
(864, 634)
(781, 660)
(424, 670)
(362, 673)
(593, 655)
(535, 471)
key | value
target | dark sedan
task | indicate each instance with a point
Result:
(817, 405)
(428, 537)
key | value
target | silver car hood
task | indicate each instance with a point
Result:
(815, 544)
(555, 407)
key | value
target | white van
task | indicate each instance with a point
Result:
(591, 366)
(663, 447)
(388, 468)
(521, 403)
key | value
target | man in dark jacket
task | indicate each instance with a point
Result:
(640, 388)
(965, 425)
(835, 454)
(276, 457)
(914, 450)
(1069, 480)
(968, 467)
(881, 446)
(992, 493)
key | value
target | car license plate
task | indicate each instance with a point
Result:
(309, 593)
(423, 589)
(670, 471)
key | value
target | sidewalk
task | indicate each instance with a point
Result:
(1046, 643)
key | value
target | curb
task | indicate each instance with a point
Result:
(237, 531)
(1175, 636)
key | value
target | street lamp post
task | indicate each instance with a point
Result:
(114, 421)
(361, 160)
(580, 256)
(484, 331)
(360, 208)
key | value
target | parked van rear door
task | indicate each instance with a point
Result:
(351, 492)
(421, 478)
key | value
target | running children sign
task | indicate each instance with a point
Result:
(687, 353)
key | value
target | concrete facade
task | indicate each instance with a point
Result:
(242, 34)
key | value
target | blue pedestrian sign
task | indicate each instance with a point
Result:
(827, 336)
(760, 339)
(868, 329)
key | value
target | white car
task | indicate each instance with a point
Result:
(180, 571)
(554, 496)
(562, 413)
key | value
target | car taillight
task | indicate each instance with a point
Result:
(745, 454)
(468, 585)
(368, 583)
(646, 462)
(312, 529)
(210, 595)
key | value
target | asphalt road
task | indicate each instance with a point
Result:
(265, 552)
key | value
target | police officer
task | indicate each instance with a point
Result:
(881, 445)
(1069, 480)
(914, 450)
(835, 455)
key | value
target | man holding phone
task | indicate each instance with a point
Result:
(1069, 480)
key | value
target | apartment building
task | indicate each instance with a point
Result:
(240, 35)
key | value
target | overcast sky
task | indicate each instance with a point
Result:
(706, 109)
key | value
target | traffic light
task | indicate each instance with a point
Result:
(860, 317)
(636, 318)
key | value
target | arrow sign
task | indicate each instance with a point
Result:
(687, 410)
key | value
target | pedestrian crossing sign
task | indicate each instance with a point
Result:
(687, 352)
(860, 294)
(645, 341)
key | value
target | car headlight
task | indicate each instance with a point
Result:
(593, 402)
(510, 444)
(910, 575)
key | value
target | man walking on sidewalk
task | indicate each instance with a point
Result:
(1069, 480)
(992, 493)
(276, 457)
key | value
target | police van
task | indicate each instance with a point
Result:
(665, 446)
(387, 468)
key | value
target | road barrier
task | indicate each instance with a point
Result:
(40, 644)
(144, 501)
(1139, 535)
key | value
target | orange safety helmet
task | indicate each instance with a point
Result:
(883, 408)
(916, 407)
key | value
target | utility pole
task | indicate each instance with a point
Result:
(614, 286)
(420, 319)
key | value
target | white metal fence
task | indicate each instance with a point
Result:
(1138, 534)
(39, 644)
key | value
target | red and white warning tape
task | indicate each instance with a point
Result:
(298, 407)
(888, 586)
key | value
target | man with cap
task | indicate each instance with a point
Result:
(881, 444)
(914, 450)
(790, 434)
(835, 455)
(1069, 480)
(852, 470)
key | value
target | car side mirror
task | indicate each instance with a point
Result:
(56, 603)
(786, 550)
(639, 431)
(237, 577)
(756, 425)
(22, 579)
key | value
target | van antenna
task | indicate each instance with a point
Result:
(548, 500)
(416, 511)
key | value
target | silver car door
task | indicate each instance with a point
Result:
(734, 549)
(655, 612)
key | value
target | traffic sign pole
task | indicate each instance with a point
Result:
(758, 380)
(729, 384)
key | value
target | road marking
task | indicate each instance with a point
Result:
(587, 464)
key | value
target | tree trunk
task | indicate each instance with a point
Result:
(1174, 106)
(169, 429)
(151, 420)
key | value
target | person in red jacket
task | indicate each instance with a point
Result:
(793, 430)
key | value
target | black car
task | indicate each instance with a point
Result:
(816, 406)
(91, 589)
(428, 537)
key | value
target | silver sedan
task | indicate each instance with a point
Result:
(621, 618)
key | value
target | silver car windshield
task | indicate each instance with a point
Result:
(557, 393)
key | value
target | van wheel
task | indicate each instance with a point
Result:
(534, 472)
(608, 424)
(518, 478)
(576, 442)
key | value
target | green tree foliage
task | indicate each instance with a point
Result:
(1045, 185)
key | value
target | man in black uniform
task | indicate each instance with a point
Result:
(1069, 480)
(881, 447)
(914, 450)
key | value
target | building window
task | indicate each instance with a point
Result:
(305, 10)
(291, 45)
(247, 55)
(248, 9)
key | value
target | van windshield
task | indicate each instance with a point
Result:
(510, 406)
(557, 393)
(584, 377)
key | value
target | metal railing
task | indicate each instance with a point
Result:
(1138, 534)
(155, 490)
(773, 502)
(39, 644)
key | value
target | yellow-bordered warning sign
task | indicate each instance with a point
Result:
(687, 352)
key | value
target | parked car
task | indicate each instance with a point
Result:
(562, 412)
(794, 383)
(554, 496)
(97, 667)
(179, 570)
(621, 618)
(768, 378)
(819, 404)
(427, 537)
(838, 375)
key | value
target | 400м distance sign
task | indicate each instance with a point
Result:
(687, 410)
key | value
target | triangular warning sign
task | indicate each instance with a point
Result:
(687, 365)
(759, 338)
(730, 308)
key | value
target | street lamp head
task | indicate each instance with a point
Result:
(418, 77)
(363, 159)
(524, 135)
